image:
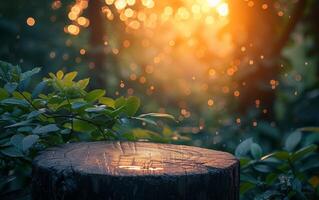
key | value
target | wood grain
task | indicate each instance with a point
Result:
(134, 170)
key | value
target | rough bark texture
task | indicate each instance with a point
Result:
(134, 170)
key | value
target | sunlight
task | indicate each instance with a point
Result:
(223, 9)
(213, 3)
(172, 37)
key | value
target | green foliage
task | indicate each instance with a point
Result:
(290, 173)
(59, 110)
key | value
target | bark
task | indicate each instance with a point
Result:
(134, 170)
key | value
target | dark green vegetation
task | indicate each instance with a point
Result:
(60, 110)
(288, 173)
(56, 111)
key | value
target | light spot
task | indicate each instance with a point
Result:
(222, 9)
(210, 102)
(236, 93)
(264, 6)
(213, 3)
(30, 21)
(82, 51)
(73, 29)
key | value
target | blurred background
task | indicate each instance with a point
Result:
(227, 69)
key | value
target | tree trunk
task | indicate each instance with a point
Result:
(97, 34)
(134, 170)
(255, 29)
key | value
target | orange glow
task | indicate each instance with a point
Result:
(82, 51)
(82, 21)
(251, 3)
(72, 16)
(280, 13)
(264, 6)
(31, 21)
(210, 102)
(56, 5)
(120, 4)
(76, 9)
(211, 72)
(236, 93)
(133, 77)
(182, 48)
(139, 168)
(142, 79)
(73, 29)
(129, 12)
(109, 2)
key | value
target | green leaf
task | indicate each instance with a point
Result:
(16, 140)
(3, 94)
(30, 73)
(146, 134)
(309, 129)
(256, 150)
(10, 87)
(27, 129)
(29, 141)
(244, 187)
(116, 112)
(78, 104)
(66, 131)
(83, 126)
(120, 102)
(109, 102)
(22, 123)
(39, 88)
(52, 75)
(82, 84)
(95, 109)
(59, 74)
(35, 113)
(271, 177)
(148, 121)
(70, 76)
(281, 155)
(244, 161)
(244, 147)
(46, 129)
(248, 178)
(14, 101)
(269, 194)
(303, 152)
(132, 105)
(12, 152)
(94, 95)
(157, 115)
(292, 141)
(262, 168)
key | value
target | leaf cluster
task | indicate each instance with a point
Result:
(59, 109)
(289, 173)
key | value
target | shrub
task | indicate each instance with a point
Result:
(58, 110)
(290, 173)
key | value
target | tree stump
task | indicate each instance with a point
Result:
(134, 170)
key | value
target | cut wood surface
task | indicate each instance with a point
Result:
(134, 170)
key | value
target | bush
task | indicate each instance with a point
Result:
(58, 110)
(290, 173)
